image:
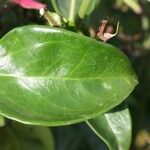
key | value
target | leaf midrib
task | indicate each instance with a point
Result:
(66, 78)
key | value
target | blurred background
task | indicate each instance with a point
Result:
(133, 39)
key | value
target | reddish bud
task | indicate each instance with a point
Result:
(29, 4)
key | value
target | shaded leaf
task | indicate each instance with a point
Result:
(22, 137)
(114, 128)
(8, 140)
(2, 121)
(77, 137)
(51, 76)
(45, 136)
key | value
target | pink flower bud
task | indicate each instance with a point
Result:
(29, 4)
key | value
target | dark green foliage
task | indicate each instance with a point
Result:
(133, 39)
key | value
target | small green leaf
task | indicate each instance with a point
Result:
(51, 76)
(67, 9)
(70, 9)
(87, 6)
(114, 128)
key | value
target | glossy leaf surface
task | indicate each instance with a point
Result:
(114, 128)
(50, 76)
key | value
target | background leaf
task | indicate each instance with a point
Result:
(77, 137)
(70, 9)
(114, 128)
(2, 121)
(3, 3)
(87, 6)
(16, 136)
(60, 77)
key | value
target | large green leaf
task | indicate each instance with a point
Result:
(114, 128)
(50, 76)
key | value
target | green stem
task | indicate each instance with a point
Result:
(72, 11)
